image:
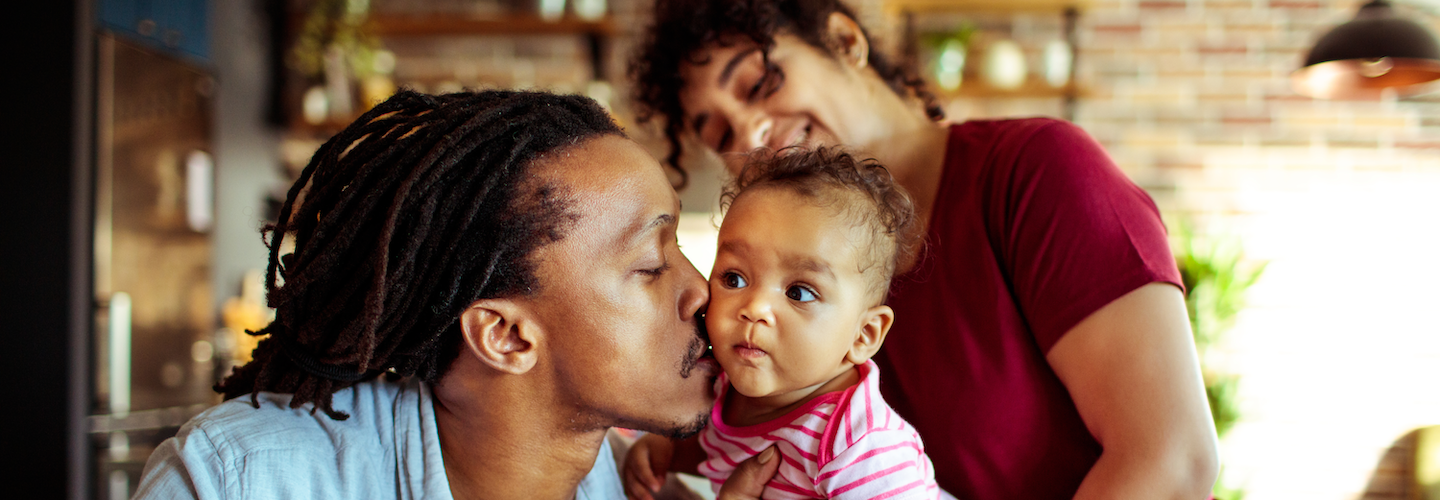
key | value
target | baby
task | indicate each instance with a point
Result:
(809, 244)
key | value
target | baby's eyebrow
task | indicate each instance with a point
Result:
(733, 246)
(810, 264)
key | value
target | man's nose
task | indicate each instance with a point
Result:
(694, 290)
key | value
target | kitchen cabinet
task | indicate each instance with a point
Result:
(176, 26)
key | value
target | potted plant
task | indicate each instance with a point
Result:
(1216, 276)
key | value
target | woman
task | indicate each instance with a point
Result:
(1041, 345)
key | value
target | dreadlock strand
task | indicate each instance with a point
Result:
(416, 210)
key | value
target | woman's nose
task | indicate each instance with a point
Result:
(754, 131)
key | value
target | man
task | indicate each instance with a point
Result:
(508, 262)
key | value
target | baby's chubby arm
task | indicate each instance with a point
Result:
(652, 456)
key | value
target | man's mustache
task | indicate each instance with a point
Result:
(698, 348)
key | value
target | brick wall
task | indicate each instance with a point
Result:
(1337, 353)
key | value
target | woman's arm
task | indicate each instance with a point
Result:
(1132, 370)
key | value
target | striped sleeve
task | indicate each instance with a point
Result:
(882, 464)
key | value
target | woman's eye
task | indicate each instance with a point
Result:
(732, 280)
(800, 294)
(769, 82)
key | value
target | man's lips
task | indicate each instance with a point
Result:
(700, 352)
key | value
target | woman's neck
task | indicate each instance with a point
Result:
(912, 146)
(743, 411)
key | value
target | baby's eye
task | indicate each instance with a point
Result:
(732, 280)
(800, 293)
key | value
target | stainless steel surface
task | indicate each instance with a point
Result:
(155, 320)
(145, 420)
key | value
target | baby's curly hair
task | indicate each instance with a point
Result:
(861, 190)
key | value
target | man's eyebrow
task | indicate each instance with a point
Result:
(725, 74)
(662, 220)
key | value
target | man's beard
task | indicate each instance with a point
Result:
(699, 348)
(688, 430)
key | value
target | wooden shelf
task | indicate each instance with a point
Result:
(920, 6)
(1034, 87)
(974, 87)
(511, 24)
(595, 33)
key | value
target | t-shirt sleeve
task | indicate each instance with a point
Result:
(1076, 232)
(882, 464)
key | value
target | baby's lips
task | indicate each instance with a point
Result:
(748, 350)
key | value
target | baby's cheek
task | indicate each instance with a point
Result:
(713, 325)
(715, 313)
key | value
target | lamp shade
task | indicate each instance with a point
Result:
(1376, 51)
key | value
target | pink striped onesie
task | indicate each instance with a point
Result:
(846, 444)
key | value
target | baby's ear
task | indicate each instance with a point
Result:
(874, 324)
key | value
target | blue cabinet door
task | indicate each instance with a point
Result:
(179, 27)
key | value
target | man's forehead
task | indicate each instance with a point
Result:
(614, 188)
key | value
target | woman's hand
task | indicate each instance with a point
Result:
(646, 464)
(750, 476)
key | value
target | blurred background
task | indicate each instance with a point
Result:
(155, 137)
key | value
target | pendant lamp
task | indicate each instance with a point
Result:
(1360, 59)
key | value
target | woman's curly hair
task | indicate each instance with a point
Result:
(683, 28)
(862, 191)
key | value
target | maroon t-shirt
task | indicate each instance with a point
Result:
(1034, 228)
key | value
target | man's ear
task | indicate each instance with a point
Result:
(499, 334)
(848, 40)
(873, 327)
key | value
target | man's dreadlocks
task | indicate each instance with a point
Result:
(422, 206)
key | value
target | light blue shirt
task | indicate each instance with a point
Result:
(388, 448)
